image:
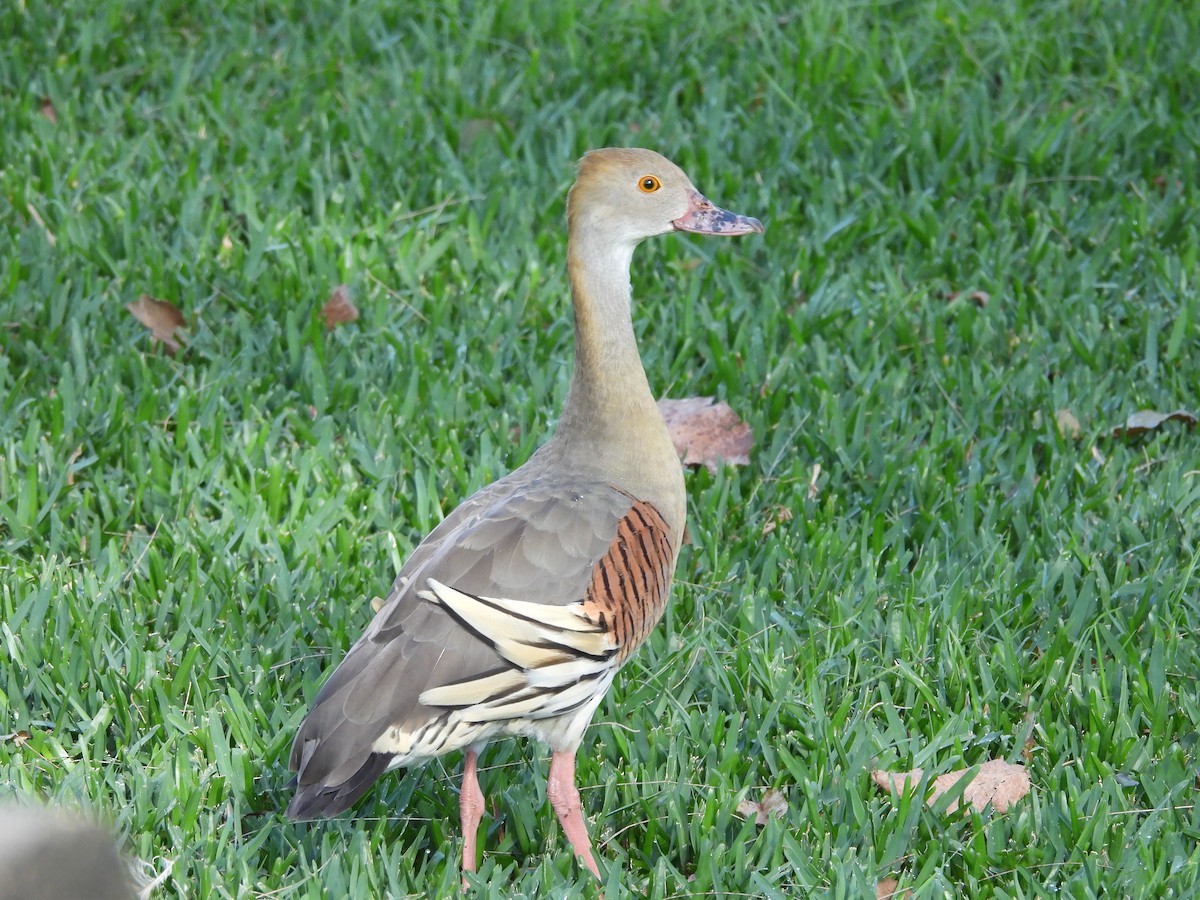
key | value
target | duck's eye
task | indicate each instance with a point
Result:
(649, 184)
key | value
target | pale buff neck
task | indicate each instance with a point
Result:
(608, 377)
(611, 424)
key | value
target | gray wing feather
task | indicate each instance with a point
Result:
(536, 540)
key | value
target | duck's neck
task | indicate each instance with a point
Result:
(608, 382)
(611, 422)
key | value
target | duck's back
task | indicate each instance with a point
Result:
(544, 587)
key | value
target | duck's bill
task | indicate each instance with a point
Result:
(703, 217)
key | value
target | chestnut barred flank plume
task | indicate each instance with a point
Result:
(628, 591)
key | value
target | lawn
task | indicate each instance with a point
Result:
(981, 256)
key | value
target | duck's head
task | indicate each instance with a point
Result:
(631, 194)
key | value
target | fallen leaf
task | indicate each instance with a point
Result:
(1027, 750)
(707, 432)
(996, 782)
(979, 298)
(888, 888)
(48, 110)
(338, 308)
(896, 782)
(161, 317)
(1161, 182)
(814, 489)
(773, 803)
(779, 515)
(1149, 420)
(19, 738)
(1068, 425)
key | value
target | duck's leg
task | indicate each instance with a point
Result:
(560, 788)
(470, 801)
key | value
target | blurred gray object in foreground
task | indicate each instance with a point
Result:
(58, 855)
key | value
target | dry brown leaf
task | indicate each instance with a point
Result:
(896, 782)
(19, 738)
(996, 782)
(1027, 750)
(707, 432)
(1068, 424)
(48, 111)
(162, 318)
(889, 888)
(338, 309)
(773, 803)
(979, 298)
(1161, 182)
(1149, 420)
(779, 515)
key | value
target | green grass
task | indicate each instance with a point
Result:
(187, 544)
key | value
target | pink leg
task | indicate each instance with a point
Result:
(560, 788)
(470, 800)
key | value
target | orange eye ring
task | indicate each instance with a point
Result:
(648, 184)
